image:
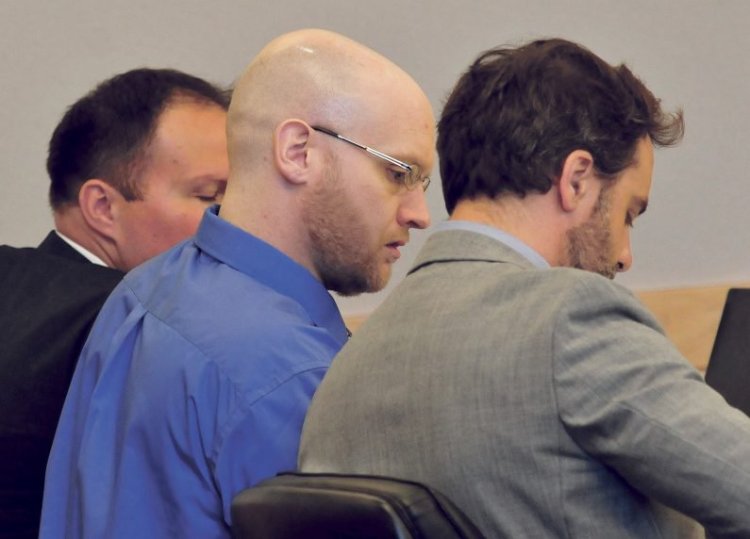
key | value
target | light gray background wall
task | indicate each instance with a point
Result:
(690, 53)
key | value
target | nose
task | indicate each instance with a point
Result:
(413, 211)
(625, 260)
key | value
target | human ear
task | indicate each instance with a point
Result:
(96, 200)
(576, 180)
(291, 150)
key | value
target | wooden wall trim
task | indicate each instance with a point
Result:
(690, 316)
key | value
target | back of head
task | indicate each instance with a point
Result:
(106, 133)
(517, 113)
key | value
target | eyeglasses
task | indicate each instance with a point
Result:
(412, 175)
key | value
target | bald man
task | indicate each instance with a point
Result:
(196, 378)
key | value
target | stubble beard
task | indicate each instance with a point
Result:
(590, 244)
(341, 254)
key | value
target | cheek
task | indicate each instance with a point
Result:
(379, 223)
(381, 210)
(172, 223)
(361, 213)
(181, 226)
(188, 222)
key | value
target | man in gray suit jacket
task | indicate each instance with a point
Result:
(544, 400)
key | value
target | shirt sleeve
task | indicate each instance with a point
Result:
(628, 398)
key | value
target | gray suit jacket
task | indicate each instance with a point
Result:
(545, 403)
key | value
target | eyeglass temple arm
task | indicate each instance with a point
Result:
(369, 150)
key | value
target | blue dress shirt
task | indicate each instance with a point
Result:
(193, 385)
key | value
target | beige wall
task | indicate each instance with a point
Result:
(690, 52)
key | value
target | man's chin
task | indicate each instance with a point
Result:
(384, 275)
(354, 285)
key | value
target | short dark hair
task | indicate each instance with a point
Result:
(517, 113)
(106, 133)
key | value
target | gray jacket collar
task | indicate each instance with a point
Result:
(463, 245)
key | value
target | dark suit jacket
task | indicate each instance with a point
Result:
(50, 298)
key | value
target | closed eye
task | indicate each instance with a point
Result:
(398, 175)
(210, 193)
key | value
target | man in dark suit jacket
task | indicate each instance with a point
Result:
(133, 165)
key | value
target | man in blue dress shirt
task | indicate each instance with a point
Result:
(198, 372)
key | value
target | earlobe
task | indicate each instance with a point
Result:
(96, 200)
(291, 150)
(576, 179)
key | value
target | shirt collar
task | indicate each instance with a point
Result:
(91, 257)
(263, 262)
(499, 235)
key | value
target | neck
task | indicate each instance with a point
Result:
(273, 215)
(71, 224)
(533, 219)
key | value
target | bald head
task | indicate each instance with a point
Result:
(341, 212)
(322, 78)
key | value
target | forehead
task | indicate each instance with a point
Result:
(190, 118)
(404, 129)
(189, 143)
(387, 110)
(188, 130)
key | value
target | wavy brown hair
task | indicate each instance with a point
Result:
(517, 113)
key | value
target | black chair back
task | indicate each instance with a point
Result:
(317, 506)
